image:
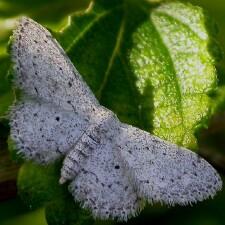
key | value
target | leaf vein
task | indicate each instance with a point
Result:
(164, 14)
(88, 27)
(112, 58)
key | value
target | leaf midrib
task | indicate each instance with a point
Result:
(179, 91)
(174, 74)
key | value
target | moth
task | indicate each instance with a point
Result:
(113, 169)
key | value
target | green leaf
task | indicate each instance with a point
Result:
(6, 93)
(38, 185)
(48, 12)
(44, 10)
(65, 211)
(171, 53)
(216, 9)
(163, 85)
(6, 26)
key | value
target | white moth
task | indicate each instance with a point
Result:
(113, 168)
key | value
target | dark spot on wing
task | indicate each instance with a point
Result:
(26, 23)
(36, 90)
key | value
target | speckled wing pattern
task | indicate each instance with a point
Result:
(44, 132)
(44, 71)
(113, 168)
(101, 183)
(163, 172)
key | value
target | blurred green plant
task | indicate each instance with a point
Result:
(6, 92)
(153, 64)
(40, 10)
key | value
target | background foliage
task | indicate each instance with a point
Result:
(111, 45)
